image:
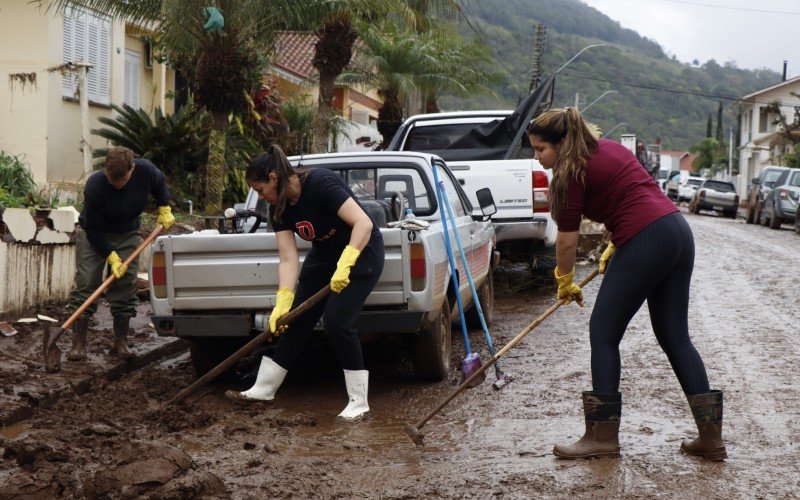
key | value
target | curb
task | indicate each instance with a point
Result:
(47, 399)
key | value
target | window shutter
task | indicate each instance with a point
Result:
(93, 57)
(133, 63)
(104, 62)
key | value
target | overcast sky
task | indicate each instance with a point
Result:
(723, 30)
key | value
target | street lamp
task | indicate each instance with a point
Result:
(613, 129)
(579, 53)
(601, 96)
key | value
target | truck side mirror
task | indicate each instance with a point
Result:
(755, 181)
(486, 202)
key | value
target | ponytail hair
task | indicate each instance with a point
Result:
(274, 160)
(568, 132)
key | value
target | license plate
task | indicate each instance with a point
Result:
(718, 207)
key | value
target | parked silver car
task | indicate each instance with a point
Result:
(719, 196)
(781, 203)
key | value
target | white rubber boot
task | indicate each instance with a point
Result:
(269, 379)
(357, 382)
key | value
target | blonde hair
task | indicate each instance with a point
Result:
(571, 136)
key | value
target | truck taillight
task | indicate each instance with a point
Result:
(417, 254)
(541, 192)
(158, 275)
(702, 193)
(736, 200)
(783, 193)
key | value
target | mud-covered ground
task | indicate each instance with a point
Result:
(115, 441)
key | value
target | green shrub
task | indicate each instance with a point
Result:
(16, 179)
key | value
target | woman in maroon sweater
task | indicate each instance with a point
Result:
(653, 257)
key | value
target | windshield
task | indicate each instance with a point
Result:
(794, 180)
(771, 176)
(694, 182)
(722, 187)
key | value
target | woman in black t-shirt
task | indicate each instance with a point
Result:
(346, 251)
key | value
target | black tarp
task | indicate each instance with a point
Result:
(498, 139)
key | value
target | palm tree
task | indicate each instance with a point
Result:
(398, 61)
(224, 67)
(333, 25)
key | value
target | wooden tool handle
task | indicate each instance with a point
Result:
(501, 352)
(111, 278)
(249, 347)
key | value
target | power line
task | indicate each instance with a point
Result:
(699, 4)
(482, 37)
(673, 91)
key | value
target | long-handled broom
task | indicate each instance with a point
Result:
(502, 379)
(471, 362)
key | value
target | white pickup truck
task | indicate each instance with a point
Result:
(520, 185)
(216, 290)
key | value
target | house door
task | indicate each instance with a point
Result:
(133, 78)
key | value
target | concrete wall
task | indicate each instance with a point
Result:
(31, 275)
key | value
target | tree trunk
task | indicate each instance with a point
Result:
(322, 120)
(215, 169)
(431, 105)
(332, 53)
(390, 116)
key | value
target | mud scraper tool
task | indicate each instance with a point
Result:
(249, 347)
(415, 431)
(52, 353)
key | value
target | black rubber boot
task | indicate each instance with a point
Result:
(79, 331)
(707, 411)
(121, 337)
(601, 414)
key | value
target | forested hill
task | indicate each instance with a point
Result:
(659, 97)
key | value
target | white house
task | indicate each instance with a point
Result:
(760, 143)
(40, 117)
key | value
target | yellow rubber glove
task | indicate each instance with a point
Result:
(607, 253)
(283, 303)
(117, 267)
(567, 289)
(341, 278)
(165, 217)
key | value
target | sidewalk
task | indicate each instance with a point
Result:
(25, 384)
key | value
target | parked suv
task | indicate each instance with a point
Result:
(780, 204)
(760, 187)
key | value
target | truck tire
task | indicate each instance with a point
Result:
(208, 352)
(486, 297)
(432, 346)
(774, 221)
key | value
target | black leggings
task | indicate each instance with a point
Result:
(656, 265)
(341, 309)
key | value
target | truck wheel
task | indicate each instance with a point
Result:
(208, 352)
(432, 345)
(731, 214)
(797, 222)
(774, 221)
(486, 297)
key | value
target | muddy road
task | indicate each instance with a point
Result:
(114, 441)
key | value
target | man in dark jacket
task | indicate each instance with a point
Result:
(114, 198)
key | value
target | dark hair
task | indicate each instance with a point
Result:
(568, 132)
(274, 160)
(119, 161)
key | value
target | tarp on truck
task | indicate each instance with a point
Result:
(495, 140)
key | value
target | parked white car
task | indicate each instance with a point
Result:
(683, 189)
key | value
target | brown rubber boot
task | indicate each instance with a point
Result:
(79, 330)
(707, 411)
(121, 337)
(601, 413)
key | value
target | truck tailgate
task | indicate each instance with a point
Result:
(511, 182)
(240, 271)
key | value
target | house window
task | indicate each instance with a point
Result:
(87, 39)
(763, 120)
(133, 65)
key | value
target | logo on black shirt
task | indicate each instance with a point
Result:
(305, 229)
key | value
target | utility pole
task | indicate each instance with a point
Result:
(577, 99)
(538, 51)
(730, 152)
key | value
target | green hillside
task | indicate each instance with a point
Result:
(631, 64)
